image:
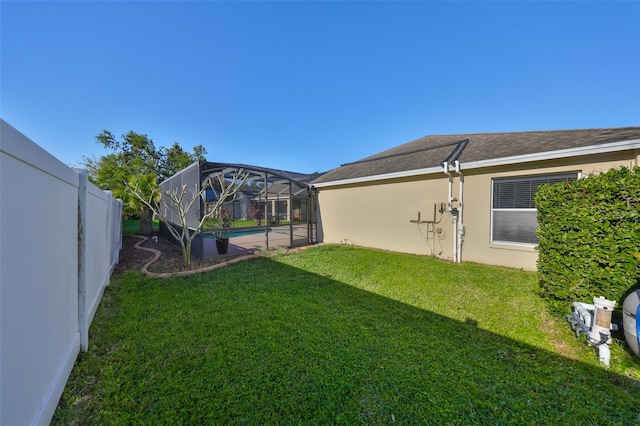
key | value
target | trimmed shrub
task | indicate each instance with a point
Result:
(589, 232)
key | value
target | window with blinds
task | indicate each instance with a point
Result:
(513, 212)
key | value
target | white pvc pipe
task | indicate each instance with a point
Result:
(604, 354)
(584, 306)
(460, 204)
(587, 317)
(455, 238)
(455, 219)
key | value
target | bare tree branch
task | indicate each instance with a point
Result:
(179, 209)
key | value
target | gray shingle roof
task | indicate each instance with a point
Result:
(430, 151)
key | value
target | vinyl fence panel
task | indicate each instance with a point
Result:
(40, 330)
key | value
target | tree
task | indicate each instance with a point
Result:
(172, 203)
(176, 159)
(135, 158)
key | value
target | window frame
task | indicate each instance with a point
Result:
(568, 175)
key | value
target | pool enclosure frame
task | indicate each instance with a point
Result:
(282, 196)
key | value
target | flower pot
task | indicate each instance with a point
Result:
(222, 244)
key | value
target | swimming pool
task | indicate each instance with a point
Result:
(239, 233)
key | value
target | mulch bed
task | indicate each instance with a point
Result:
(170, 260)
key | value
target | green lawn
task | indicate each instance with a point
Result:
(130, 227)
(341, 335)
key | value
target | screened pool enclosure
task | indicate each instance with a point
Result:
(273, 208)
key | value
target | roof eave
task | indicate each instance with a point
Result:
(539, 156)
(554, 155)
(385, 176)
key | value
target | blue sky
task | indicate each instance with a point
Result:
(307, 86)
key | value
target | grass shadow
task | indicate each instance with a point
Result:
(263, 342)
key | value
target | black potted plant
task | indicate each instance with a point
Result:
(222, 238)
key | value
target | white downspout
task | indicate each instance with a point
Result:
(460, 233)
(445, 165)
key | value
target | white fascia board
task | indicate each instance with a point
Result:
(539, 156)
(395, 175)
(554, 155)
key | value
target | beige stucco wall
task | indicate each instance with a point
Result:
(379, 214)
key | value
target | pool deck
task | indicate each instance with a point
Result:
(245, 244)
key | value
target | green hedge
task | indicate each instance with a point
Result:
(589, 232)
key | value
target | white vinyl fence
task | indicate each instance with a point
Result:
(60, 237)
